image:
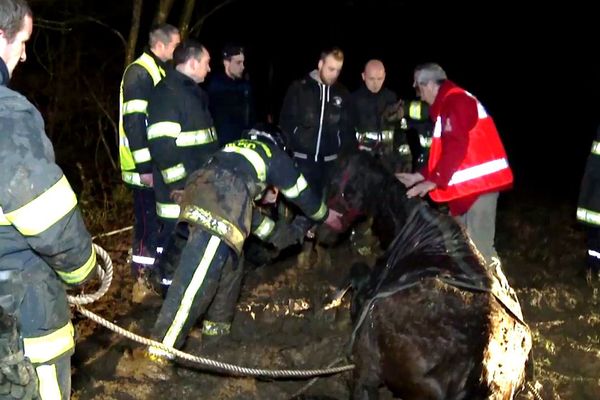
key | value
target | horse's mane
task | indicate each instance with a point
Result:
(423, 240)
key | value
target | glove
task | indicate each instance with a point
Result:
(18, 379)
(287, 234)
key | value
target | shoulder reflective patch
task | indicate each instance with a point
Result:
(45, 210)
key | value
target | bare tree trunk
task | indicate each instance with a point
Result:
(134, 32)
(164, 8)
(186, 16)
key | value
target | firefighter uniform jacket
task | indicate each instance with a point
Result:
(588, 206)
(43, 240)
(219, 196)
(371, 129)
(139, 79)
(317, 119)
(181, 136)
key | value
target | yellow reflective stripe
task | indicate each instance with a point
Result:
(588, 216)
(174, 173)
(387, 135)
(48, 347)
(48, 385)
(3, 220)
(141, 155)
(596, 148)
(148, 63)
(194, 138)
(80, 273)
(404, 149)
(135, 106)
(319, 214)
(253, 157)
(191, 291)
(265, 228)
(296, 189)
(425, 141)
(214, 224)
(45, 210)
(133, 178)
(164, 129)
(414, 110)
(167, 210)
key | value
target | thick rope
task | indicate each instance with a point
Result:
(534, 392)
(106, 275)
(224, 367)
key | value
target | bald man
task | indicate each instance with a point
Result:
(374, 133)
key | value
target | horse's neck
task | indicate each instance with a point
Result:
(392, 209)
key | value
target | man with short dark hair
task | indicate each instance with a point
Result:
(230, 94)
(181, 135)
(44, 243)
(139, 79)
(316, 115)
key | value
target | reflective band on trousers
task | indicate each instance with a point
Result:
(174, 174)
(585, 215)
(80, 273)
(191, 291)
(48, 382)
(265, 228)
(142, 260)
(45, 210)
(48, 347)
(593, 253)
(478, 171)
(253, 157)
(195, 138)
(214, 224)
(167, 210)
(294, 191)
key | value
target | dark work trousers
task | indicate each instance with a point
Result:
(593, 248)
(206, 284)
(145, 230)
(317, 174)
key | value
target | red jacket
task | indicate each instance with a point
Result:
(467, 157)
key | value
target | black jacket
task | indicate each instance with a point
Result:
(231, 106)
(369, 108)
(317, 117)
(181, 135)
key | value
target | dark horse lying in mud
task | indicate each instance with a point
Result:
(431, 321)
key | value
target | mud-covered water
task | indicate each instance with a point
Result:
(281, 322)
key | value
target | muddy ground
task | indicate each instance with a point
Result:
(281, 323)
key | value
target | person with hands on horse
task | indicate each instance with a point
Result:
(216, 219)
(467, 165)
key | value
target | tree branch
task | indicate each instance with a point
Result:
(198, 24)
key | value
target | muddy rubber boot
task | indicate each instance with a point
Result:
(147, 289)
(213, 334)
(18, 379)
(147, 363)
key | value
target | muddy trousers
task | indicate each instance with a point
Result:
(206, 284)
(480, 222)
(145, 230)
(36, 297)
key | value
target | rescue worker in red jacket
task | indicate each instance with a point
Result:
(467, 165)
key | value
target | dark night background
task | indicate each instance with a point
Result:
(532, 67)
